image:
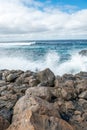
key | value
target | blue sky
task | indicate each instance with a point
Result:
(43, 19)
(81, 4)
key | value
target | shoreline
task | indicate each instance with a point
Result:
(42, 100)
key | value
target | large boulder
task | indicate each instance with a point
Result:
(35, 104)
(33, 121)
(46, 77)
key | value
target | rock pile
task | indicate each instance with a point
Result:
(42, 101)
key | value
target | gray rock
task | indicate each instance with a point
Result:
(11, 77)
(4, 124)
(42, 92)
(46, 76)
(83, 95)
(83, 52)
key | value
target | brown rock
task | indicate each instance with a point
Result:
(4, 124)
(68, 93)
(81, 86)
(84, 116)
(2, 83)
(77, 112)
(33, 121)
(57, 81)
(33, 81)
(35, 104)
(42, 92)
(83, 95)
(82, 105)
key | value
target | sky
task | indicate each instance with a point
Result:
(43, 19)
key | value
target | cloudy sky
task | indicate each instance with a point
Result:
(43, 19)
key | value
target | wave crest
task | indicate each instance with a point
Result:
(17, 44)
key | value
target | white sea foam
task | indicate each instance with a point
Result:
(76, 63)
(16, 44)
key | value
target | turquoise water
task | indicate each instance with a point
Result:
(61, 56)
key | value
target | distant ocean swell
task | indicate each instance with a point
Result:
(38, 57)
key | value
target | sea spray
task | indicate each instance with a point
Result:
(76, 63)
(60, 56)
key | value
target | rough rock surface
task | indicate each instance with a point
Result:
(4, 124)
(46, 77)
(34, 121)
(42, 101)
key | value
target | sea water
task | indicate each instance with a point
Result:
(61, 56)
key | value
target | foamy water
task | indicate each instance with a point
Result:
(40, 57)
(16, 44)
(76, 64)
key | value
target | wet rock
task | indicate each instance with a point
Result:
(83, 52)
(46, 76)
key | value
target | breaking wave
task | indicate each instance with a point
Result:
(51, 60)
(16, 44)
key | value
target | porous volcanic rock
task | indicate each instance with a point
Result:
(43, 101)
(33, 121)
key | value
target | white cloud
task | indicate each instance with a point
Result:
(24, 19)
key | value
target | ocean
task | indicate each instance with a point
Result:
(61, 56)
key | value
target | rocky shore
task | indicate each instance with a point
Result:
(42, 101)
